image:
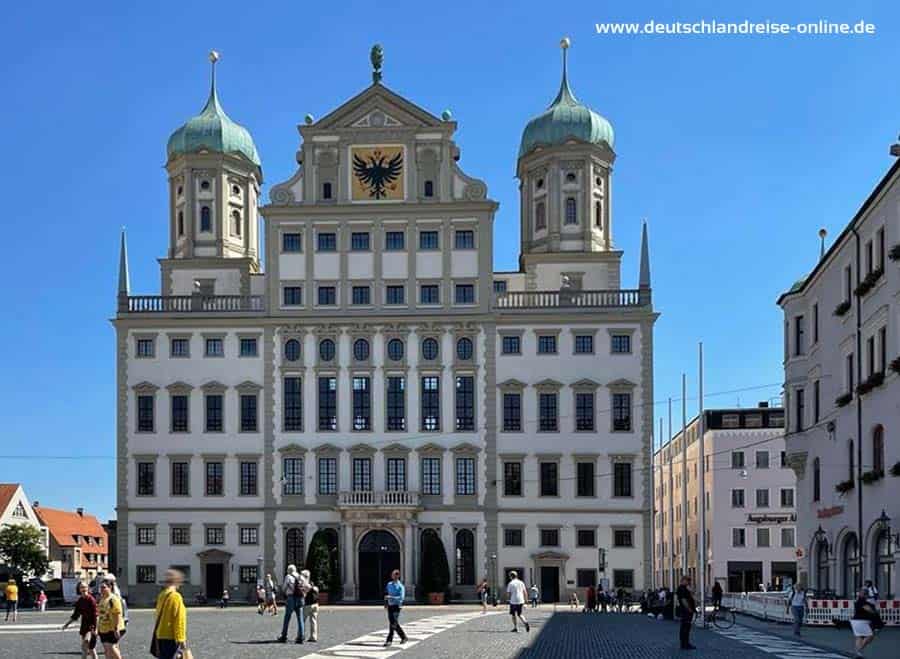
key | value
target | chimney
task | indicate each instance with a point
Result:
(80, 512)
(36, 504)
(763, 403)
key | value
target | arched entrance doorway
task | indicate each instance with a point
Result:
(379, 555)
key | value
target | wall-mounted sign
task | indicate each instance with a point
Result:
(769, 518)
(376, 173)
(824, 513)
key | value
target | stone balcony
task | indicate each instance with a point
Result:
(142, 304)
(572, 300)
(399, 499)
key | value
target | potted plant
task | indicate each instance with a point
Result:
(435, 569)
(895, 365)
(894, 254)
(844, 486)
(842, 308)
(318, 562)
(868, 282)
(895, 470)
(871, 476)
(843, 399)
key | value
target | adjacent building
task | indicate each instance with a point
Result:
(749, 497)
(16, 509)
(77, 542)
(842, 395)
(379, 385)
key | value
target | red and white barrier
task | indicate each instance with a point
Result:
(819, 612)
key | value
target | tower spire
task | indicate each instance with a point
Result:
(124, 280)
(644, 279)
(565, 95)
(212, 103)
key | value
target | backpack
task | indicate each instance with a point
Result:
(301, 586)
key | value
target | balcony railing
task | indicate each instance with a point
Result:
(394, 499)
(572, 299)
(190, 303)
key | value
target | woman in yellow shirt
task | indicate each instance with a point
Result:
(12, 599)
(110, 622)
(171, 615)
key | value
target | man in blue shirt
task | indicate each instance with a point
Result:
(394, 600)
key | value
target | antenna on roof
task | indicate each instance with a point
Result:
(822, 233)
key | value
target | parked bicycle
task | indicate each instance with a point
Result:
(720, 618)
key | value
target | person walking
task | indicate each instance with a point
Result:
(483, 589)
(114, 587)
(171, 618)
(717, 593)
(42, 601)
(516, 593)
(590, 604)
(535, 595)
(110, 621)
(864, 622)
(796, 602)
(271, 599)
(86, 611)
(12, 599)
(396, 593)
(688, 609)
(311, 608)
(295, 588)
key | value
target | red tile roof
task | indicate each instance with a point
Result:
(7, 490)
(64, 525)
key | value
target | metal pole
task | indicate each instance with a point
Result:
(701, 560)
(671, 506)
(684, 500)
(652, 510)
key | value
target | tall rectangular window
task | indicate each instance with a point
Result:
(180, 479)
(327, 475)
(328, 403)
(359, 241)
(465, 403)
(431, 476)
(738, 537)
(787, 537)
(293, 404)
(737, 498)
(870, 355)
(361, 295)
(362, 404)
(850, 373)
(512, 479)
(395, 295)
(464, 294)
(396, 403)
(548, 412)
(214, 415)
(787, 497)
(145, 413)
(326, 242)
(815, 317)
(762, 537)
(465, 476)
(428, 240)
(737, 459)
(429, 294)
(464, 239)
(584, 479)
(248, 413)
(431, 404)
(800, 401)
(621, 404)
(512, 412)
(292, 296)
(146, 479)
(798, 335)
(214, 479)
(327, 296)
(549, 472)
(394, 241)
(571, 211)
(584, 411)
(249, 481)
(179, 413)
(882, 350)
(762, 459)
(396, 474)
(290, 242)
(622, 479)
(762, 498)
(816, 401)
(362, 474)
(292, 478)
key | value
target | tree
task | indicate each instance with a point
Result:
(22, 549)
(318, 562)
(435, 569)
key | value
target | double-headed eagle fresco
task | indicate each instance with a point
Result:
(378, 175)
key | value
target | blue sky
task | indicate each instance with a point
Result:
(736, 150)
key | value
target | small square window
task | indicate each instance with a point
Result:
(465, 294)
(292, 296)
(215, 535)
(248, 348)
(146, 535)
(327, 296)
(215, 347)
(513, 537)
(359, 241)
(394, 241)
(249, 535)
(146, 574)
(180, 348)
(547, 344)
(511, 345)
(361, 295)
(584, 344)
(327, 242)
(428, 240)
(499, 285)
(464, 239)
(395, 295)
(249, 574)
(621, 343)
(623, 538)
(549, 537)
(291, 242)
(429, 294)
(586, 538)
(145, 348)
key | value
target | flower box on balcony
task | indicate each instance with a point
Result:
(870, 383)
(842, 308)
(844, 486)
(895, 470)
(894, 254)
(843, 399)
(895, 365)
(871, 476)
(868, 282)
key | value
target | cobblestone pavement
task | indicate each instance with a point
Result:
(435, 633)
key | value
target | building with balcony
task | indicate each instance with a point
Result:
(78, 543)
(379, 384)
(842, 396)
(749, 498)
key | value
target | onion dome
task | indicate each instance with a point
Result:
(566, 119)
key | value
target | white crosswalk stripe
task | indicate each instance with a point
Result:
(776, 645)
(371, 645)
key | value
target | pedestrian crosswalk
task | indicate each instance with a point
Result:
(371, 645)
(16, 628)
(776, 645)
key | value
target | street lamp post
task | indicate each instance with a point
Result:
(495, 579)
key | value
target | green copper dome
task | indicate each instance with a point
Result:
(214, 130)
(566, 119)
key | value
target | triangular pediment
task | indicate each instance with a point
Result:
(396, 447)
(465, 447)
(377, 102)
(549, 383)
(431, 447)
(622, 383)
(327, 448)
(586, 383)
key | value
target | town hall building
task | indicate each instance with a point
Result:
(371, 380)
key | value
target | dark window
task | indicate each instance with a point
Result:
(464, 349)
(291, 242)
(293, 404)
(787, 497)
(465, 476)
(180, 348)
(214, 484)
(762, 459)
(548, 410)
(214, 417)
(248, 573)
(512, 412)
(395, 295)
(215, 535)
(146, 535)
(598, 215)
(737, 459)
(622, 479)
(513, 537)
(362, 474)
(326, 242)
(737, 498)
(146, 479)
(465, 558)
(362, 404)
(428, 240)
(429, 188)
(360, 350)
(621, 343)
(145, 413)
(145, 347)
(511, 345)
(850, 373)
(512, 479)
(394, 241)
(817, 480)
(146, 574)
(431, 476)
(584, 344)
(584, 411)
(361, 295)
(328, 403)
(430, 349)
(292, 479)
(549, 537)
(236, 223)
(429, 294)
(215, 348)
(359, 241)
(878, 449)
(547, 344)
(762, 498)
(326, 190)
(292, 296)
(816, 401)
(549, 479)
(248, 413)
(465, 294)
(815, 328)
(327, 475)
(464, 239)
(431, 404)
(623, 579)
(248, 347)
(249, 478)
(396, 403)
(800, 398)
(327, 296)
(326, 350)
(205, 219)
(180, 535)
(500, 286)
(585, 578)
(180, 223)
(584, 484)
(798, 335)
(180, 479)
(585, 538)
(292, 350)
(621, 404)
(465, 403)
(540, 216)
(396, 474)
(571, 211)
(395, 350)
(180, 413)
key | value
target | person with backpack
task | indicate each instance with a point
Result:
(311, 608)
(865, 621)
(871, 593)
(295, 589)
(796, 604)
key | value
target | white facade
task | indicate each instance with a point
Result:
(15, 509)
(379, 382)
(842, 393)
(750, 502)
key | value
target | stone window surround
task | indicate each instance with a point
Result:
(334, 334)
(394, 226)
(288, 228)
(621, 331)
(144, 389)
(394, 282)
(431, 450)
(145, 336)
(356, 333)
(179, 389)
(466, 450)
(248, 388)
(472, 372)
(465, 225)
(502, 333)
(138, 459)
(472, 335)
(291, 283)
(213, 335)
(395, 372)
(549, 458)
(137, 530)
(437, 335)
(585, 527)
(621, 387)
(361, 283)
(584, 386)
(333, 452)
(547, 386)
(622, 527)
(249, 457)
(584, 331)
(249, 335)
(292, 450)
(241, 527)
(324, 227)
(333, 373)
(513, 527)
(211, 458)
(179, 457)
(430, 282)
(433, 370)
(214, 388)
(625, 458)
(538, 333)
(363, 372)
(388, 335)
(550, 527)
(473, 281)
(395, 451)
(219, 525)
(432, 226)
(327, 283)
(518, 458)
(579, 458)
(180, 525)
